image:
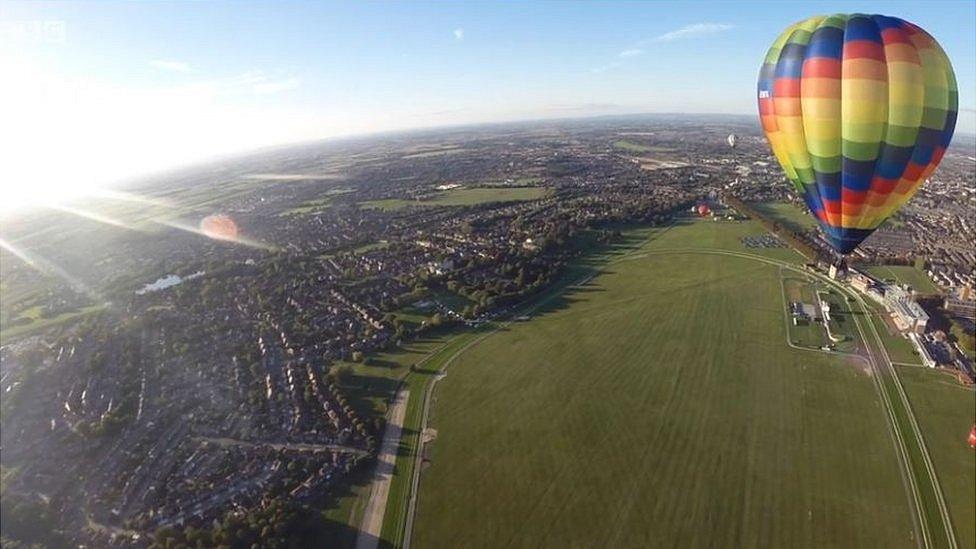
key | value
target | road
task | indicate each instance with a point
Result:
(372, 524)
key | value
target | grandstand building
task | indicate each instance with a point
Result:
(923, 351)
(907, 315)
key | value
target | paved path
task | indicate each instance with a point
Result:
(372, 524)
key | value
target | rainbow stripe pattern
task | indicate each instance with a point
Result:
(858, 110)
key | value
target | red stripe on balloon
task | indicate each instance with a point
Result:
(822, 67)
(786, 87)
(849, 196)
(883, 186)
(864, 49)
(895, 35)
(912, 172)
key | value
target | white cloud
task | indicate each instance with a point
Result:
(692, 31)
(634, 52)
(605, 68)
(275, 86)
(459, 34)
(170, 65)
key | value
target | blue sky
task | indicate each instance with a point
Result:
(164, 83)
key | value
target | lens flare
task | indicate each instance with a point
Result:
(219, 227)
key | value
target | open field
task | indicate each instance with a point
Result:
(905, 274)
(806, 332)
(464, 197)
(786, 213)
(659, 404)
(630, 146)
(37, 322)
(841, 320)
(946, 412)
(317, 205)
(899, 348)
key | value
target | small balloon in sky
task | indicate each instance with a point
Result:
(219, 227)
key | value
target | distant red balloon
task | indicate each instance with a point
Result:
(219, 227)
(704, 210)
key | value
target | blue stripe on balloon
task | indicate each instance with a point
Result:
(826, 42)
(884, 22)
(857, 174)
(829, 185)
(790, 64)
(861, 27)
(892, 160)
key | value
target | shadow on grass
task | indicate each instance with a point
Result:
(337, 533)
(364, 391)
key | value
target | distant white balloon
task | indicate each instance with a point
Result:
(732, 139)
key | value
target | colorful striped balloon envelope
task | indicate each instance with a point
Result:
(859, 110)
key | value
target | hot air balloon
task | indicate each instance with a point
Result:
(858, 110)
(972, 437)
(219, 227)
(732, 139)
(704, 210)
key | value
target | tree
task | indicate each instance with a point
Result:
(343, 374)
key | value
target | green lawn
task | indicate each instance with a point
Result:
(899, 348)
(721, 234)
(905, 274)
(451, 300)
(41, 323)
(660, 405)
(806, 333)
(946, 412)
(464, 197)
(841, 320)
(791, 215)
(630, 146)
(317, 205)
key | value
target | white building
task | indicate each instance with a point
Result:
(908, 315)
(923, 351)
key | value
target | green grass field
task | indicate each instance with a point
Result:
(660, 405)
(41, 323)
(317, 205)
(630, 146)
(946, 412)
(464, 197)
(787, 213)
(841, 321)
(905, 274)
(805, 333)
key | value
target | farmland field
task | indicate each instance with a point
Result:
(464, 197)
(659, 404)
